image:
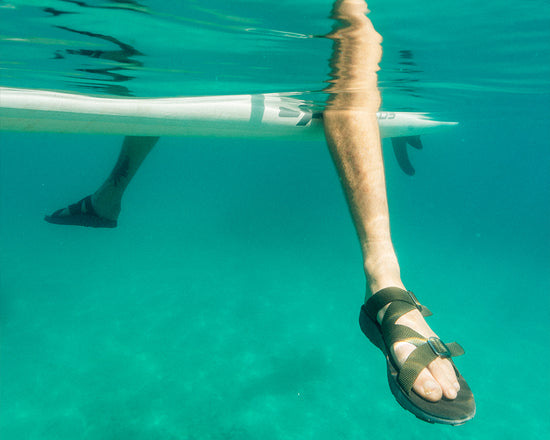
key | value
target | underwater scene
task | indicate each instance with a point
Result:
(225, 303)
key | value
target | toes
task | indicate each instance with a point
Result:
(433, 382)
(443, 372)
(427, 387)
(439, 379)
(436, 381)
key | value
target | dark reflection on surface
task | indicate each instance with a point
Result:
(405, 77)
(127, 5)
(122, 5)
(406, 58)
(408, 69)
(56, 12)
(117, 73)
(119, 63)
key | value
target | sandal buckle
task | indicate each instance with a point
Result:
(439, 348)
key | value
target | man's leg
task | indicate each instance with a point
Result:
(352, 133)
(102, 208)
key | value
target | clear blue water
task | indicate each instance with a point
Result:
(225, 304)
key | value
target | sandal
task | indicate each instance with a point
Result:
(81, 213)
(401, 379)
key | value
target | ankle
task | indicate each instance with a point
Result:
(382, 270)
(106, 205)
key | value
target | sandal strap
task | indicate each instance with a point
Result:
(427, 349)
(83, 206)
(422, 356)
(392, 295)
(399, 333)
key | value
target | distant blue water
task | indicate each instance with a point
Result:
(225, 304)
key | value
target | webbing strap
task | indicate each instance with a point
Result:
(82, 206)
(415, 363)
(422, 356)
(397, 333)
(392, 295)
(427, 350)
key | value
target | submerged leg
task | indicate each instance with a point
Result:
(352, 134)
(102, 208)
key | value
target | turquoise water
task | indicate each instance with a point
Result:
(225, 304)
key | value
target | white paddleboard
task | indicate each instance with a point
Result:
(256, 116)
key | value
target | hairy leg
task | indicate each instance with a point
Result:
(351, 130)
(107, 199)
(102, 208)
